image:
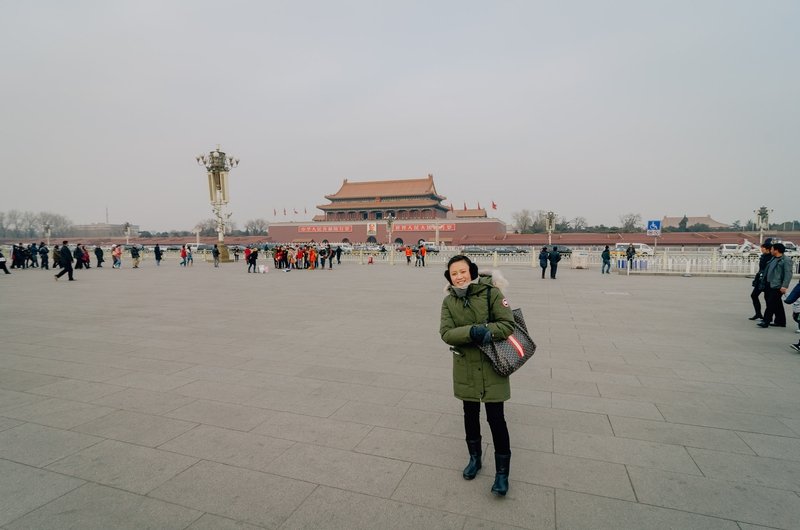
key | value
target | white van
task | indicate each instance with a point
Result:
(641, 249)
(728, 250)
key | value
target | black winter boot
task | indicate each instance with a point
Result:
(502, 463)
(474, 447)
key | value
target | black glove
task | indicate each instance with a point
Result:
(480, 334)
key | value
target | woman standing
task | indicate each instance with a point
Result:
(464, 325)
(189, 258)
(158, 254)
(543, 257)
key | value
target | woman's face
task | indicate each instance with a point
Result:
(459, 273)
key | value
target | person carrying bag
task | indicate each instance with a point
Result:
(465, 325)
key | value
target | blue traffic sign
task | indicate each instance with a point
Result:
(654, 225)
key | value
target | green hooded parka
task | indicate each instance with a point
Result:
(474, 378)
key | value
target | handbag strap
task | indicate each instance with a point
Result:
(489, 303)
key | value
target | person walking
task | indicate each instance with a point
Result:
(777, 276)
(78, 255)
(183, 255)
(323, 255)
(252, 260)
(330, 257)
(158, 254)
(766, 256)
(44, 256)
(189, 257)
(56, 255)
(3, 263)
(606, 255)
(135, 256)
(34, 255)
(464, 325)
(87, 264)
(236, 254)
(408, 255)
(543, 257)
(339, 255)
(98, 254)
(422, 253)
(215, 253)
(66, 262)
(117, 255)
(554, 257)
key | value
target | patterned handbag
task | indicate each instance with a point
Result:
(509, 354)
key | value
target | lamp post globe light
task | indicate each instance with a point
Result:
(217, 165)
(762, 222)
(550, 225)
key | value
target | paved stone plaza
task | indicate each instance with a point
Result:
(203, 398)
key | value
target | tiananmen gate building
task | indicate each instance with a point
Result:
(358, 213)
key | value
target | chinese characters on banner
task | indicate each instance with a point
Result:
(308, 229)
(424, 228)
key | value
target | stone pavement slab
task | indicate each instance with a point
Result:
(210, 398)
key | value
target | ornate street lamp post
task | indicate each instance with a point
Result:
(47, 233)
(127, 230)
(217, 165)
(550, 225)
(762, 222)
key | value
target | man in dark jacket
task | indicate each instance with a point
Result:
(766, 255)
(777, 276)
(543, 257)
(215, 254)
(135, 256)
(606, 255)
(44, 255)
(78, 254)
(98, 253)
(252, 260)
(66, 262)
(554, 257)
(338, 255)
(158, 254)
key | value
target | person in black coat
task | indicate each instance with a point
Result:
(554, 257)
(158, 254)
(766, 255)
(44, 256)
(3, 263)
(66, 262)
(543, 257)
(98, 253)
(78, 255)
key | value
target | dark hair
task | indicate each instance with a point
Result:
(767, 246)
(473, 269)
(606, 247)
(555, 248)
(780, 247)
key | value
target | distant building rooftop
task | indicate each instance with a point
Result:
(674, 222)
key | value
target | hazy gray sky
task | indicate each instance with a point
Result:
(587, 108)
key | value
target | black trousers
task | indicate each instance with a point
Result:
(775, 307)
(497, 423)
(756, 301)
(553, 269)
(543, 270)
(45, 264)
(67, 269)
(3, 267)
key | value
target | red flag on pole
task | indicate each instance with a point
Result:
(304, 210)
(465, 206)
(295, 211)
(451, 207)
(274, 212)
(284, 212)
(479, 205)
(494, 206)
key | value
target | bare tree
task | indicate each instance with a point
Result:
(539, 222)
(30, 224)
(207, 227)
(579, 223)
(2, 224)
(523, 219)
(59, 224)
(631, 222)
(13, 222)
(257, 227)
(231, 226)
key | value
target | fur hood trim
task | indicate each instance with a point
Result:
(498, 280)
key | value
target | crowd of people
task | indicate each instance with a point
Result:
(289, 258)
